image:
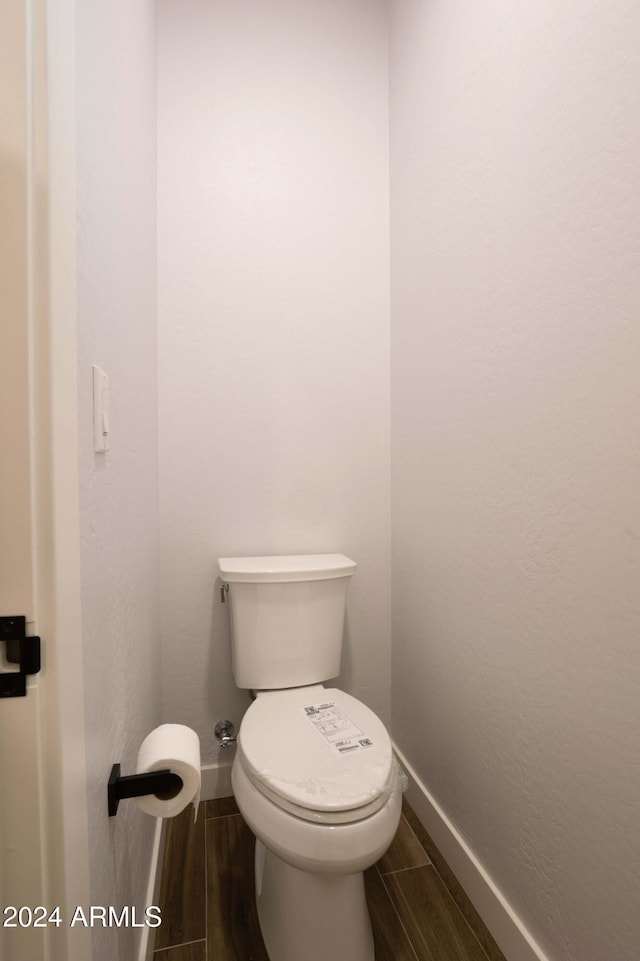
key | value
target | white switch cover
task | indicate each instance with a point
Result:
(100, 410)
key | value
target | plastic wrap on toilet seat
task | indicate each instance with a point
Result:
(317, 752)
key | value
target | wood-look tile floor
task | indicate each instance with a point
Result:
(418, 910)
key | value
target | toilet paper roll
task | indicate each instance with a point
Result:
(176, 747)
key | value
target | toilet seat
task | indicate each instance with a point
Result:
(317, 753)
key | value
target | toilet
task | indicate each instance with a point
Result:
(314, 774)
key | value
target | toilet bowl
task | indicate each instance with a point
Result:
(314, 775)
(316, 781)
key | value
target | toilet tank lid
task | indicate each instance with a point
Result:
(292, 567)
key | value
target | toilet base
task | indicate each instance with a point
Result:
(315, 917)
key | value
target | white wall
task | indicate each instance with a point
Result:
(515, 158)
(273, 322)
(116, 121)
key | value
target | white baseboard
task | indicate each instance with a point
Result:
(147, 935)
(216, 782)
(509, 932)
(216, 779)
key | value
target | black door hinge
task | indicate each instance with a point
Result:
(21, 650)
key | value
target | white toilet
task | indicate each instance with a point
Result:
(314, 774)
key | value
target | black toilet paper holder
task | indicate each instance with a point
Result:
(136, 785)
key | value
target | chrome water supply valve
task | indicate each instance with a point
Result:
(224, 732)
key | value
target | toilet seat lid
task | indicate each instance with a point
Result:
(316, 748)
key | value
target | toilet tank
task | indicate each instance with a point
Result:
(287, 617)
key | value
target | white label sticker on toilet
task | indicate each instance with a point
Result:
(339, 732)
